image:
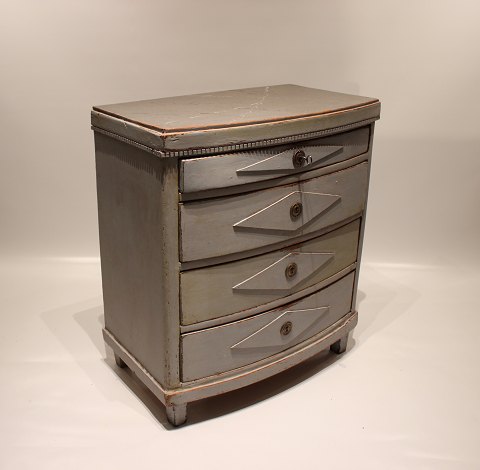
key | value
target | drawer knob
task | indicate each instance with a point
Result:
(300, 159)
(291, 270)
(286, 328)
(296, 210)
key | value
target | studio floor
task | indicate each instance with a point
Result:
(405, 395)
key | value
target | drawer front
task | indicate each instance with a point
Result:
(227, 288)
(221, 226)
(221, 171)
(220, 349)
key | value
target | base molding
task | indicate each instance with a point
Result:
(238, 378)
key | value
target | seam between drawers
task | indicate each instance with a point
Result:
(264, 308)
(280, 356)
(285, 180)
(213, 261)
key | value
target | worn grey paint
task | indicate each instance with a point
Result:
(137, 215)
(208, 227)
(237, 378)
(225, 171)
(280, 181)
(216, 350)
(271, 305)
(209, 293)
(233, 107)
(225, 120)
(362, 226)
(145, 274)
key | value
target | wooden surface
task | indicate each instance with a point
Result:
(139, 244)
(233, 107)
(233, 224)
(222, 270)
(233, 120)
(209, 293)
(223, 348)
(222, 171)
(238, 378)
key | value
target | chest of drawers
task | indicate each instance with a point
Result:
(231, 227)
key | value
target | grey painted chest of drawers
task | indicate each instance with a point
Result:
(231, 227)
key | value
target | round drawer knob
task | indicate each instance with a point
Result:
(296, 210)
(299, 159)
(286, 328)
(291, 270)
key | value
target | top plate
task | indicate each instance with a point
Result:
(232, 117)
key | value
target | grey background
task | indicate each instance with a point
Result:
(407, 392)
(421, 58)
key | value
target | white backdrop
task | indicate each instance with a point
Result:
(421, 58)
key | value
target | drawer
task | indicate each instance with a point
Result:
(221, 226)
(199, 174)
(223, 348)
(228, 288)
